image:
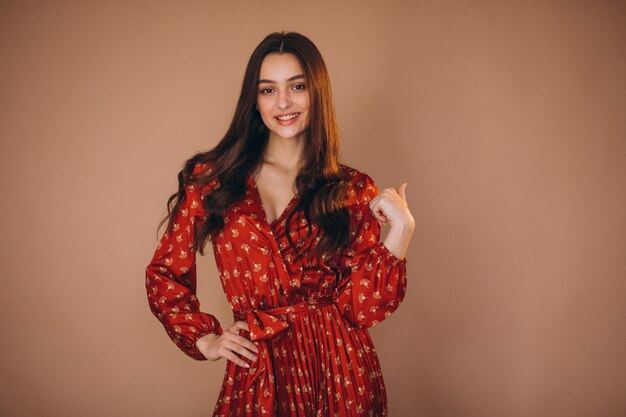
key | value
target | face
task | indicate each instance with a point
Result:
(283, 96)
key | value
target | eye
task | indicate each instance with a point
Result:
(299, 87)
(265, 91)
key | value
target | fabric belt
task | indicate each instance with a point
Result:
(266, 324)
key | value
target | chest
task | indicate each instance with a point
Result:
(275, 192)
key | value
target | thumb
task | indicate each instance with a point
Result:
(402, 190)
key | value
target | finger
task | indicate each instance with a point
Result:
(388, 190)
(382, 219)
(234, 358)
(379, 215)
(402, 190)
(242, 351)
(373, 206)
(241, 325)
(380, 196)
(374, 201)
(238, 325)
(247, 343)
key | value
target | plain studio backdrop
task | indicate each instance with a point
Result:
(507, 120)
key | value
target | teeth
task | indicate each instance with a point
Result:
(291, 116)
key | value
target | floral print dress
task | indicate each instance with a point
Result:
(308, 318)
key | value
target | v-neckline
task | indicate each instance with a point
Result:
(263, 212)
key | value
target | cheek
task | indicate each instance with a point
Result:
(264, 109)
(306, 101)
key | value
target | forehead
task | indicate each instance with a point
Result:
(280, 67)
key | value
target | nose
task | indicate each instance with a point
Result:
(284, 100)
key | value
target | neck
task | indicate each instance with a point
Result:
(284, 152)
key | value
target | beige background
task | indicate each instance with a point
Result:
(507, 121)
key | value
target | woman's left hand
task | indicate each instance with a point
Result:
(390, 207)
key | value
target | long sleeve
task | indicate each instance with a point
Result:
(373, 280)
(171, 279)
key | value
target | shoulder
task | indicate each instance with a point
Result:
(361, 188)
(202, 178)
(202, 169)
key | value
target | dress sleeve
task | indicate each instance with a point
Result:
(373, 282)
(171, 279)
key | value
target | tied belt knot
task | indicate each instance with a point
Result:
(266, 324)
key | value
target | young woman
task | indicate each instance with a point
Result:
(296, 239)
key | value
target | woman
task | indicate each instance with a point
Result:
(296, 239)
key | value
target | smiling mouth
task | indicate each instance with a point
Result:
(287, 117)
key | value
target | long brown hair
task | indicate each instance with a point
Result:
(321, 184)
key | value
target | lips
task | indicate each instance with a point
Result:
(285, 119)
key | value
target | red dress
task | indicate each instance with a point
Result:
(308, 319)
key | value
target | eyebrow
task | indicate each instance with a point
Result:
(295, 77)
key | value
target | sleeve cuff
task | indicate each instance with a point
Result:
(194, 352)
(186, 340)
(381, 250)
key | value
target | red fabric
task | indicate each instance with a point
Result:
(309, 319)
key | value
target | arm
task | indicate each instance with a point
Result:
(171, 279)
(373, 282)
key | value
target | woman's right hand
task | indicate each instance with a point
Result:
(226, 345)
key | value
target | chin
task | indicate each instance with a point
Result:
(284, 136)
(288, 134)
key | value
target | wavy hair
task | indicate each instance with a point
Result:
(321, 184)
